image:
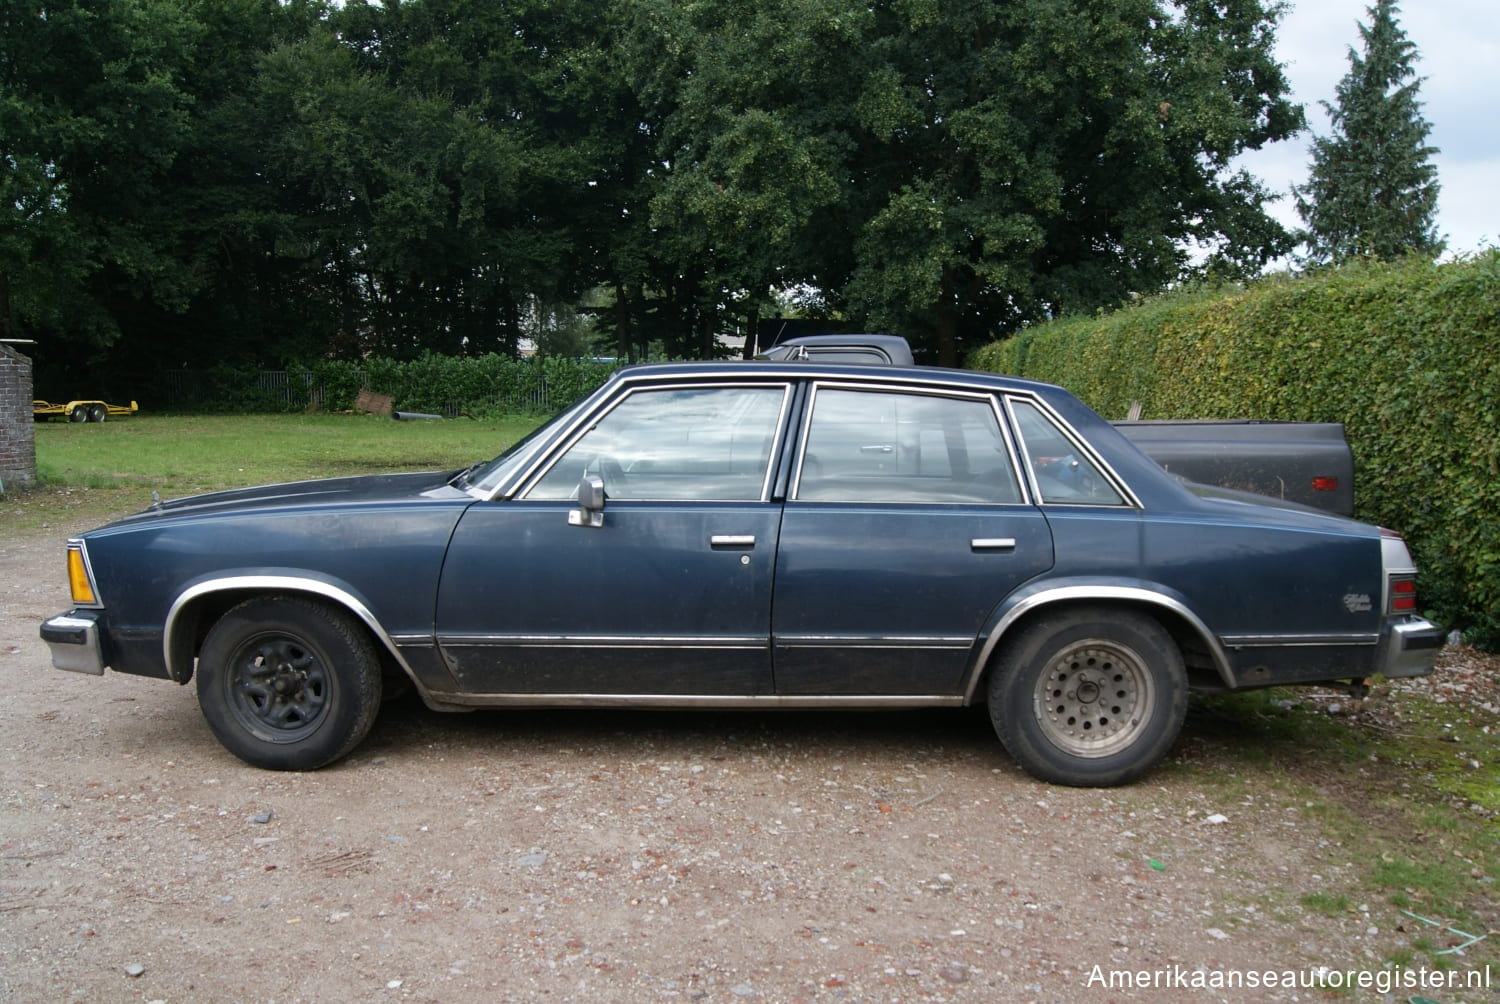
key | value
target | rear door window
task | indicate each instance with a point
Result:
(875, 445)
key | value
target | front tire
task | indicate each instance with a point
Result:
(287, 683)
(1089, 697)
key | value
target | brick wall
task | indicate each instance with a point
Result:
(17, 438)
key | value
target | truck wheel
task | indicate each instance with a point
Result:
(1089, 697)
(286, 683)
(79, 413)
(98, 413)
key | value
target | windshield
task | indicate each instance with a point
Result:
(483, 479)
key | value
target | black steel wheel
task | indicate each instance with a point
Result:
(288, 683)
(1089, 697)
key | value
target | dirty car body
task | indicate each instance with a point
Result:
(766, 535)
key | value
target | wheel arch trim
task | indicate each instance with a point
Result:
(261, 583)
(1014, 610)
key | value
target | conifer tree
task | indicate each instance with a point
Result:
(1373, 189)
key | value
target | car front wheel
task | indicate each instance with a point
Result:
(1089, 697)
(286, 683)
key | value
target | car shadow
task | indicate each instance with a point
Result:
(405, 724)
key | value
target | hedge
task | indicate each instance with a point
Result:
(450, 385)
(1406, 355)
(435, 384)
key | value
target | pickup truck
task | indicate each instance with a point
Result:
(1304, 462)
(1308, 463)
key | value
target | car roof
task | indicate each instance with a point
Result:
(813, 369)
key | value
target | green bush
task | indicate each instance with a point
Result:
(447, 385)
(479, 386)
(1407, 356)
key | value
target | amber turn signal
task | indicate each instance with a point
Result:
(78, 577)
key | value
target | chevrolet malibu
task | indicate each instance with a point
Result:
(753, 535)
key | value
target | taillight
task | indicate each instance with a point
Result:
(1325, 484)
(1400, 575)
(1403, 595)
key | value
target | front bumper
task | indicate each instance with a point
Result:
(1409, 647)
(73, 638)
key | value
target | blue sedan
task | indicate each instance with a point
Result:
(753, 535)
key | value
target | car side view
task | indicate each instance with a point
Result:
(777, 534)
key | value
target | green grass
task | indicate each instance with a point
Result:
(1330, 905)
(88, 473)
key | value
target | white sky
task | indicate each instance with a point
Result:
(1458, 54)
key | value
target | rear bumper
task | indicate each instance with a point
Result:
(73, 638)
(1409, 647)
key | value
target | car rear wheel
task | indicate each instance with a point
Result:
(1089, 697)
(287, 683)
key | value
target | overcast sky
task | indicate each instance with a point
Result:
(1458, 49)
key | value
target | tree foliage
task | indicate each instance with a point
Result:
(255, 180)
(1373, 189)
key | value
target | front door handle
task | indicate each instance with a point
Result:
(993, 544)
(732, 540)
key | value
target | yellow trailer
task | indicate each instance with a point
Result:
(81, 411)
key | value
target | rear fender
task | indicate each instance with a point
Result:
(1165, 604)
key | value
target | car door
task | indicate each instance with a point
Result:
(905, 526)
(668, 595)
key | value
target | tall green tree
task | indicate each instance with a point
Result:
(953, 170)
(92, 110)
(1373, 189)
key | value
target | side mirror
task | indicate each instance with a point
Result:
(590, 511)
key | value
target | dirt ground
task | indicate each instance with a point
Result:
(509, 856)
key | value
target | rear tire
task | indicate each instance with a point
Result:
(98, 413)
(1089, 697)
(287, 683)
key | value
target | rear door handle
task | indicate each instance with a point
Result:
(992, 544)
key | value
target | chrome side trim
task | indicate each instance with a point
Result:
(279, 583)
(1131, 594)
(867, 641)
(992, 544)
(1297, 640)
(603, 641)
(513, 700)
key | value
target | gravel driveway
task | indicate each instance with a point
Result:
(604, 856)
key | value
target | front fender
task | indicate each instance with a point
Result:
(179, 634)
(1051, 592)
